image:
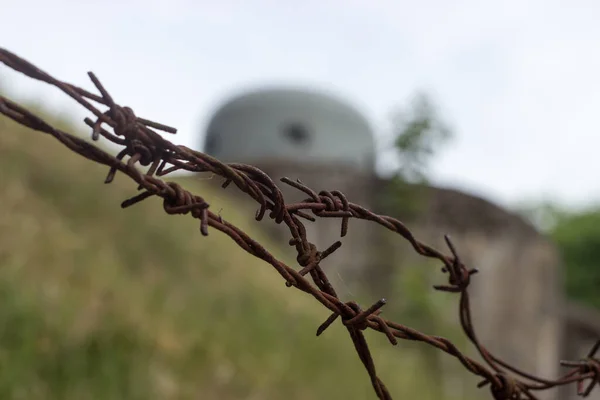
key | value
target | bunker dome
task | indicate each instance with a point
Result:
(290, 125)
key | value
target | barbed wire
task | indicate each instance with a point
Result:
(145, 147)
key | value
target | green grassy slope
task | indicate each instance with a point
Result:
(97, 302)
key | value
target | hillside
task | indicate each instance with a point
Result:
(97, 302)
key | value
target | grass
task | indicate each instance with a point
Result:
(97, 302)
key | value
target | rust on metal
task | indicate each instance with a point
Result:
(144, 146)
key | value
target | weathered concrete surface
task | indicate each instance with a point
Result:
(517, 298)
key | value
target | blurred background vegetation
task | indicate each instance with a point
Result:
(103, 303)
(577, 235)
(420, 133)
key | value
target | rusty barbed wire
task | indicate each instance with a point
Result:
(145, 147)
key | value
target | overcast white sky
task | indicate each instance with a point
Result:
(518, 80)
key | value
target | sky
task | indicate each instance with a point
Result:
(518, 81)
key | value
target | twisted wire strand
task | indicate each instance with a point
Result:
(145, 147)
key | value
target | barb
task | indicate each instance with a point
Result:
(144, 146)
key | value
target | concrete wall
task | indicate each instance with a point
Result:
(517, 298)
(516, 295)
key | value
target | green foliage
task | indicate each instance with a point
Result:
(419, 133)
(578, 238)
(97, 302)
(403, 199)
(543, 215)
